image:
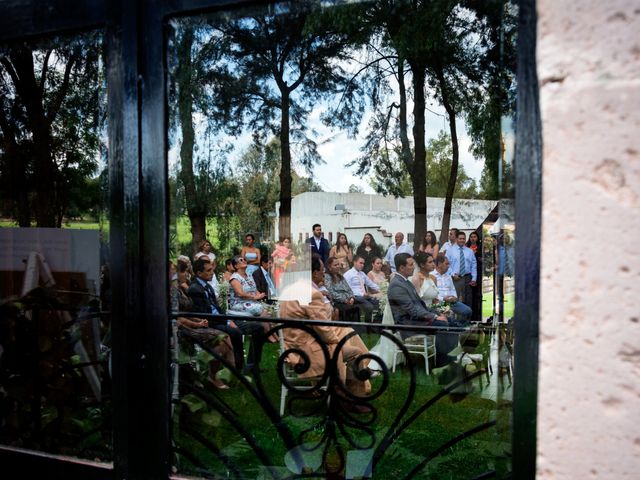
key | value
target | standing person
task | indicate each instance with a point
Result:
(282, 257)
(399, 247)
(363, 288)
(409, 309)
(368, 249)
(463, 268)
(453, 235)
(251, 253)
(262, 278)
(475, 244)
(319, 244)
(342, 251)
(205, 248)
(429, 244)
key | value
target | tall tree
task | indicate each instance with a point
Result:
(282, 65)
(50, 123)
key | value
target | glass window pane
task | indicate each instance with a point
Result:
(55, 391)
(326, 140)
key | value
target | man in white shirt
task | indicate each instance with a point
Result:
(453, 235)
(362, 287)
(446, 289)
(463, 268)
(396, 248)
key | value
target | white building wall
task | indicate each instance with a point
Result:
(378, 215)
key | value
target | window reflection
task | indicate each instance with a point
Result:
(308, 146)
(54, 251)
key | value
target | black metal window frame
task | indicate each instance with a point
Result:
(137, 112)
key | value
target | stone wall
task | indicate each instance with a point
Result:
(589, 387)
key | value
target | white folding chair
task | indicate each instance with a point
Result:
(423, 345)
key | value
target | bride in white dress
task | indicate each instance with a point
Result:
(425, 284)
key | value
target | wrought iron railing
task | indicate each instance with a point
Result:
(326, 431)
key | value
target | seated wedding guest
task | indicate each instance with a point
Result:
(423, 280)
(228, 270)
(262, 278)
(446, 288)
(342, 251)
(363, 288)
(320, 309)
(250, 253)
(200, 298)
(409, 309)
(205, 301)
(376, 275)
(369, 250)
(197, 329)
(185, 272)
(245, 298)
(343, 298)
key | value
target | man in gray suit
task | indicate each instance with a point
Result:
(409, 309)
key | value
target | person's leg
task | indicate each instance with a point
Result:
(235, 336)
(366, 307)
(255, 330)
(462, 310)
(445, 343)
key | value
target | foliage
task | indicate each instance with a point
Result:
(438, 169)
(51, 119)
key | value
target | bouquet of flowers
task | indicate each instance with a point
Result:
(442, 308)
(224, 293)
(383, 287)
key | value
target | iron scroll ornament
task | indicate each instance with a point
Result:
(318, 451)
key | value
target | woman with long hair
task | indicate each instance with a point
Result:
(342, 252)
(430, 244)
(475, 244)
(424, 282)
(368, 249)
(376, 274)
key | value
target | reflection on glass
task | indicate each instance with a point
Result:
(308, 147)
(54, 274)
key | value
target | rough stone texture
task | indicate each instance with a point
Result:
(589, 387)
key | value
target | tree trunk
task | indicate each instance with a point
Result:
(284, 224)
(404, 136)
(195, 211)
(453, 176)
(419, 177)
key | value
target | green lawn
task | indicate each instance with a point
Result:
(509, 305)
(437, 425)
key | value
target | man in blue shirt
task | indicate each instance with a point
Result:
(463, 268)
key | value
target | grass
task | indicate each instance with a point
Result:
(509, 305)
(446, 419)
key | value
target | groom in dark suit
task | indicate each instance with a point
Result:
(409, 309)
(319, 244)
